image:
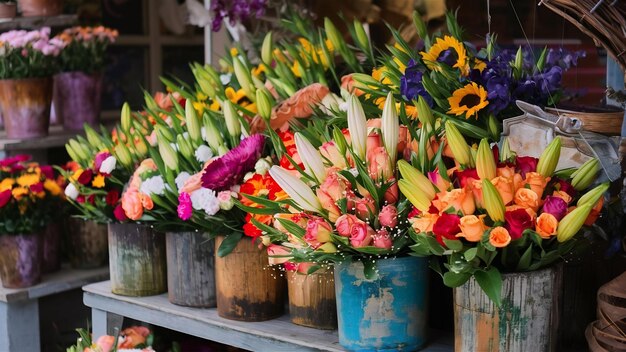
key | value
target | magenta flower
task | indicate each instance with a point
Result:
(555, 206)
(184, 209)
(230, 169)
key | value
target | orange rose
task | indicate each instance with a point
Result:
(146, 201)
(499, 237)
(546, 225)
(595, 212)
(506, 171)
(472, 227)
(527, 198)
(537, 182)
(131, 203)
(532, 213)
(563, 195)
(505, 188)
(424, 223)
(518, 182)
(477, 191)
(461, 199)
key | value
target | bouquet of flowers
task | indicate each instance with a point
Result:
(26, 54)
(134, 338)
(84, 48)
(488, 217)
(30, 195)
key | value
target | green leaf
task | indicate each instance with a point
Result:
(491, 283)
(419, 250)
(454, 245)
(229, 243)
(470, 254)
(451, 279)
(293, 229)
(524, 261)
(435, 247)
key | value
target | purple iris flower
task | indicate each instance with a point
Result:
(411, 84)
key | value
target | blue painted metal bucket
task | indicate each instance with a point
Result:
(388, 313)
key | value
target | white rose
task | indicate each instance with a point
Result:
(205, 199)
(203, 153)
(71, 191)
(108, 165)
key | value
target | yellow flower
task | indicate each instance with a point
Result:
(256, 72)
(199, 107)
(250, 107)
(98, 181)
(201, 96)
(479, 64)
(19, 192)
(215, 106)
(7, 183)
(440, 46)
(468, 100)
(411, 111)
(234, 51)
(234, 96)
(296, 69)
(76, 175)
(27, 180)
(52, 187)
(379, 75)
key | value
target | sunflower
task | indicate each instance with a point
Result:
(441, 46)
(468, 100)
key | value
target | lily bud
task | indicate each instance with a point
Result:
(285, 86)
(573, 222)
(361, 36)
(122, 154)
(542, 59)
(357, 124)
(493, 126)
(311, 158)
(458, 146)
(232, 120)
(340, 141)
(221, 150)
(244, 78)
(517, 64)
(78, 150)
(424, 114)
(390, 127)
(296, 189)
(72, 153)
(266, 49)
(364, 81)
(206, 87)
(212, 135)
(549, 158)
(141, 148)
(333, 34)
(485, 163)
(493, 201)
(416, 179)
(170, 158)
(593, 195)
(584, 176)
(93, 137)
(126, 117)
(185, 147)
(327, 247)
(506, 153)
(193, 124)
(414, 195)
(263, 104)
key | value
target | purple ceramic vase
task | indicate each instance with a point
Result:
(20, 260)
(25, 106)
(77, 97)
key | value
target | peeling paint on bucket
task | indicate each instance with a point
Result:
(387, 313)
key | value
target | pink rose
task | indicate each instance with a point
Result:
(374, 141)
(364, 207)
(388, 216)
(361, 235)
(382, 239)
(278, 254)
(330, 191)
(317, 232)
(391, 195)
(436, 178)
(345, 223)
(379, 164)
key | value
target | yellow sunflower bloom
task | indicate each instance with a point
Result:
(468, 100)
(379, 75)
(199, 107)
(98, 181)
(479, 64)
(215, 106)
(256, 72)
(7, 183)
(440, 46)
(411, 111)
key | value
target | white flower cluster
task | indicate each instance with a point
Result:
(181, 179)
(153, 185)
(205, 199)
(203, 153)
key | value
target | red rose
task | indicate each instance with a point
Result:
(5, 197)
(447, 226)
(566, 187)
(85, 177)
(466, 175)
(80, 199)
(112, 197)
(526, 164)
(47, 171)
(517, 221)
(119, 214)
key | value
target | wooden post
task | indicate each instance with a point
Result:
(248, 289)
(190, 269)
(312, 299)
(528, 319)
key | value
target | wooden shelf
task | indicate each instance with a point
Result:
(36, 22)
(61, 281)
(57, 137)
(273, 335)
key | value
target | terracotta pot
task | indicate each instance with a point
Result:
(247, 289)
(76, 99)
(20, 262)
(8, 10)
(26, 106)
(88, 243)
(50, 248)
(30, 8)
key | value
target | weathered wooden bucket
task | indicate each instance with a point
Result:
(190, 269)
(528, 319)
(387, 313)
(312, 300)
(88, 240)
(137, 260)
(248, 289)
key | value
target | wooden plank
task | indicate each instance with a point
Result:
(273, 335)
(61, 281)
(37, 21)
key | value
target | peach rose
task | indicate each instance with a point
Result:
(379, 164)
(347, 83)
(391, 195)
(374, 141)
(459, 198)
(499, 237)
(361, 235)
(438, 180)
(105, 343)
(403, 139)
(472, 227)
(146, 201)
(424, 223)
(506, 171)
(563, 195)
(527, 198)
(131, 203)
(364, 207)
(546, 225)
(345, 223)
(329, 204)
(537, 182)
(505, 188)
(318, 231)
(476, 186)
(518, 182)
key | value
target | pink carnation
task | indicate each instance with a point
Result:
(185, 210)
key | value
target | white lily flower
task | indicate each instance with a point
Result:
(311, 158)
(296, 189)
(357, 125)
(390, 126)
